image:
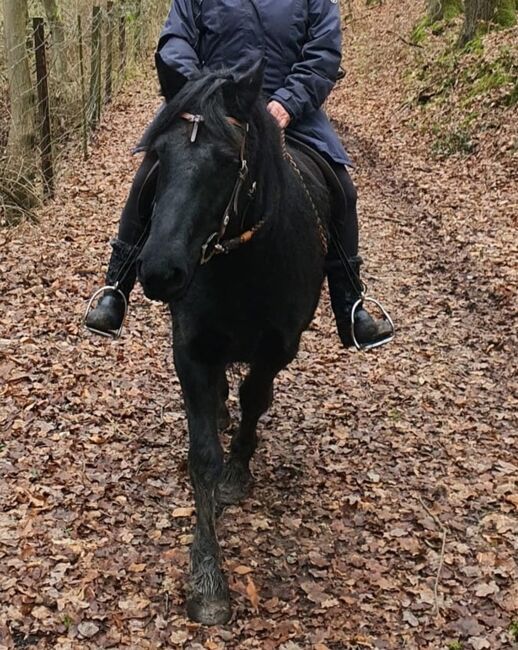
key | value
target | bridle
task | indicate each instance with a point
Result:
(216, 242)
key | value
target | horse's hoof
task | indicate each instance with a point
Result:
(209, 612)
(235, 484)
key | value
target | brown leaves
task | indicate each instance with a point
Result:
(333, 549)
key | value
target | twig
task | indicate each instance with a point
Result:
(441, 558)
(350, 20)
(382, 217)
(403, 40)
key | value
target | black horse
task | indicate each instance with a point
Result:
(227, 184)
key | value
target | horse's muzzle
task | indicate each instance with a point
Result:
(162, 283)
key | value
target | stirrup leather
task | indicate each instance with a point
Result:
(114, 334)
(386, 317)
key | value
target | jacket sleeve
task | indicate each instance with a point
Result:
(312, 78)
(177, 47)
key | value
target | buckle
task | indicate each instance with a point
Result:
(211, 247)
(386, 317)
(113, 334)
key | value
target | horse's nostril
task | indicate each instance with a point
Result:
(161, 281)
(178, 277)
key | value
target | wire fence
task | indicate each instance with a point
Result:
(78, 58)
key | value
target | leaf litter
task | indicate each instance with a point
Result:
(365, 460)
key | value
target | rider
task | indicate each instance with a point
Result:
(300, 41)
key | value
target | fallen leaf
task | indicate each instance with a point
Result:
(183, 512)
(242, 570)
(87, 629)
(409, 618)
(252, 593)
(486, 589)
(479, 643)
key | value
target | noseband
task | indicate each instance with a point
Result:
(216, 244)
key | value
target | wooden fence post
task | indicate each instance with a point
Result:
(109, 52)
(138, 27)
(84, 109)
(122, 39)
(43, 106)
(95, 69)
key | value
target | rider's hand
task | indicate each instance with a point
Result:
(281, 115)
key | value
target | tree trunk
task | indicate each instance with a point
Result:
(20, 148)
(443, 9)
(57, 29)
(481, 15)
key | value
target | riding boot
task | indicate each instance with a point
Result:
(108, 315)
(345, 291)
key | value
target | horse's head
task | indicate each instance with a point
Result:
(199, 165)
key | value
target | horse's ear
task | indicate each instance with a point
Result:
(171, 81)
(243, 92)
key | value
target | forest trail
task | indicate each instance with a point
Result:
(384, 513)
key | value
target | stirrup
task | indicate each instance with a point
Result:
(386, 317)
(114, 334)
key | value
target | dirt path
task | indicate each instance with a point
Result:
(374, 470)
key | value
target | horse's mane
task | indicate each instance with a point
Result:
(205, 95)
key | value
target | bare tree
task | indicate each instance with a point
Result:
(480, 15)
(57, 30)
(20, 148)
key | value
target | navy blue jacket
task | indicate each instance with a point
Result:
(299, 39)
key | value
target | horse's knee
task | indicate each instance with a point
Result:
(205, 462)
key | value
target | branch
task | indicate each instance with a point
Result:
(403, 40)
(441, 557)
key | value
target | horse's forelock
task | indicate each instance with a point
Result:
(203, 95)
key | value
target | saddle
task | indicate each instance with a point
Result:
(338, 198)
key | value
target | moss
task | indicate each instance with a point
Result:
(510, 100)
(437, 21)
(449, 143)
(513, 630)
(418, 34)
(458, 90)
(455, 645)
(488, 81)
(506, 13)
(469, 119)
(444, 10)
(475, 46)
(67, 621)
(451, 9)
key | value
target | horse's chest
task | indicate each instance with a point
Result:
(231, 321)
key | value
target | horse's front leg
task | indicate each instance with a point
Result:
(208, 599)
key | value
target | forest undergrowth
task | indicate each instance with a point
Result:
(384, 513)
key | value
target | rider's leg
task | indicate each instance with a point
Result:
(345, 286)
(108, 315)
